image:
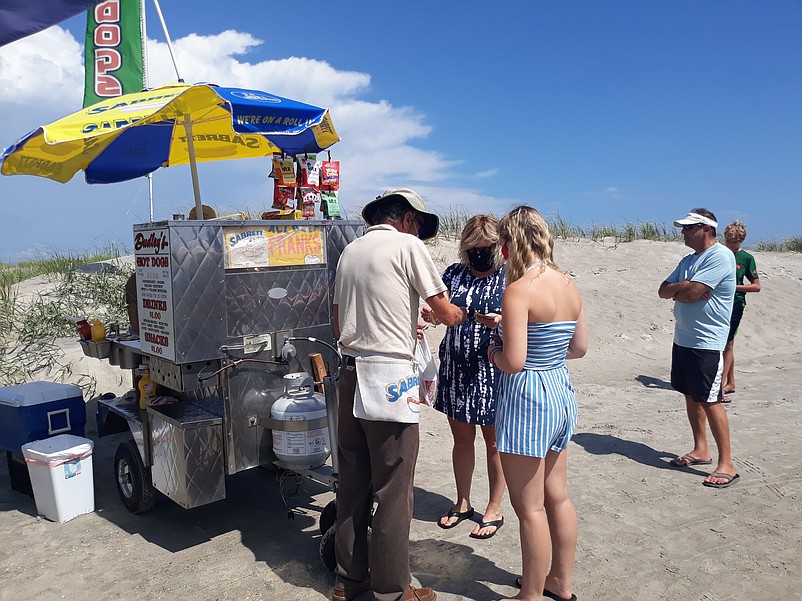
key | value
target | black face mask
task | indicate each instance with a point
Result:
(481, 258)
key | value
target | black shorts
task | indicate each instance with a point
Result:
(735, 320)
(697, 373)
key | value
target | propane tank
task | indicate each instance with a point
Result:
(300, 402)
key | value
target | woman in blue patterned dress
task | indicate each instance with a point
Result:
(544, 324)
(465, 387)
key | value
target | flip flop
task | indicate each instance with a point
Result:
(497, 523)
(728, 391)
(460, 515)
(687, 460)
(546, 592)
(726, 399)
(730, 480)
(550, 595)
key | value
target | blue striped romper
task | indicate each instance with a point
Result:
(536, 407)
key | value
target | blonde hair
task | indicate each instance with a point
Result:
(735, 232)
(528, 241)
(479, 230)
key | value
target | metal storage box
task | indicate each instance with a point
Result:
(38, 410)
(188, 460)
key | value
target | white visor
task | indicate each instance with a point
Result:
(692, 218)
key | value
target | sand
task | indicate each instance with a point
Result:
(647, 530)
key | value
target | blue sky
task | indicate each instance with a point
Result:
(602, 112)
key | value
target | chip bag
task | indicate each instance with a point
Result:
(330, 175)
(283, 196)
(309, 197)
(330, 203)
(273, 164)
(309, 171)
(284, 169)
(283, 214)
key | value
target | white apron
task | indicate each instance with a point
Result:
(387, 390)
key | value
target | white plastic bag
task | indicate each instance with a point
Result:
(427, 371)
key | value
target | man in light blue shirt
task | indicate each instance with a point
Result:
(703, 288)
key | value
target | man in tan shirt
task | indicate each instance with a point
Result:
(380, 280)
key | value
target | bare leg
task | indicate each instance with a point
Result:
(495, 478)
(562, 524)
(698, 420)
(728, 380)
(525, 480)
(720, 427)
(462, 458)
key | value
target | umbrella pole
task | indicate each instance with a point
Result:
(150, 195)
(193, 166)
(167, 36)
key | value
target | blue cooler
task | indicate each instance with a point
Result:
(38, 410)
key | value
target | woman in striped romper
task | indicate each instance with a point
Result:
(543, 324)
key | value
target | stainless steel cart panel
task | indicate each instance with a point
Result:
(187, 446)
(254, 308)
(190, 285)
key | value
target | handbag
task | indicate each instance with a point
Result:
(427, 371)
(387, 390)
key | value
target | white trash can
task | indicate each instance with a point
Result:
(61, 476)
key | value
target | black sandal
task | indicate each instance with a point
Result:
(497, 523)
(460, 515)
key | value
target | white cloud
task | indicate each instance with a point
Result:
(488, 173)
(43, 70)
(42, 78)
(214, 59)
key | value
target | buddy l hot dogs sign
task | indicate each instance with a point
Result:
(155, 298)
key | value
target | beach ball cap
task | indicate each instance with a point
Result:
(692, 218)
(431, 222)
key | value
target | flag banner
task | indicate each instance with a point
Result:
(113, 60)
(20, 18)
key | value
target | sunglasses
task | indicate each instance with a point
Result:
(690, 226)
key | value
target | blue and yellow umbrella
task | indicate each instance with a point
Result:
(132, 135)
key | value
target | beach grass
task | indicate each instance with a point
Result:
(53, 261)
(31, 326)
(791, 244)
(453, 220)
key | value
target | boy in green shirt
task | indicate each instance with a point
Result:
(734, 235)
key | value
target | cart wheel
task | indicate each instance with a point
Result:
(133, 479)
(328, 517)
(327, 555)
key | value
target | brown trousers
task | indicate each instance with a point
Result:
(377, 463)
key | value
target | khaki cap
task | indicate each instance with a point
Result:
(431, 222)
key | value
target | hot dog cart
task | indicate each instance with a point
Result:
(227, 309)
